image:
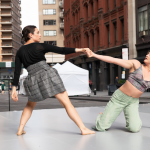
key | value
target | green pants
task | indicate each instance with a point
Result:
(120, 102)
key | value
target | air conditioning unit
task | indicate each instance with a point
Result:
(142, 33)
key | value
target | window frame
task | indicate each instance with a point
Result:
(148, 19)
(48, 21)
(47, 2)
(47, 34)
(46, 11)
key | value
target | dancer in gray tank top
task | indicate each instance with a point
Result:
(126, 98)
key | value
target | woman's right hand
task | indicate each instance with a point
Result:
(14, 95)
(90, 53)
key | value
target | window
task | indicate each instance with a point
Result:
(51, 42)
(122, 21)
(108, 35)
(50, 33)
(143, 20)
(115, 4)
(115, 27)
(92, 8)
(48, 1)
(49, 22)
(149, 16)
(108, 5)
(49, 11)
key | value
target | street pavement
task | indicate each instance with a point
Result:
(50, 103)
(104, 97)
(100, 99)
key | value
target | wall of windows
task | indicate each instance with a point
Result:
(49, 22)
(50, 33)
(49, 11)
(49, 1)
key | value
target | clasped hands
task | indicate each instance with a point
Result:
(88, 52)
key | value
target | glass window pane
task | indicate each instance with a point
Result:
(48, 1)
(54, 11)
(50, 11)
(44, 11)
(50, 33)
(140, 22)
(143, 8)
(51, 1)
(145, 20)
(149, 15)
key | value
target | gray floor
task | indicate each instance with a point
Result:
(52, 129)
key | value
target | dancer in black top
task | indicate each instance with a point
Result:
(42, 81)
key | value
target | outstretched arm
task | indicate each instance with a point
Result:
(61, 50)
(128, 64)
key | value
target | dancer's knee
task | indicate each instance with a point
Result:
(63, 99)
(31, 104)
(134, 128)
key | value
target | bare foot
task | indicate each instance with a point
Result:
(21, 132)
(86, 131)
(101, 113)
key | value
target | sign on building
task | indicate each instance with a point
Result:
(125, 53)
(125, 57)
(8, 64)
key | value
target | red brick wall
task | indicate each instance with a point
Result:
(81, 19)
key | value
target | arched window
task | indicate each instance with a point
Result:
(86, 11)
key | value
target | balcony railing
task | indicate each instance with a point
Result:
(6, 45)
(61, 25)
(6, 37)
(61, 4)
(5, 28)
(61, 15)
(5, 5)
(7, 59)
(5, 21)
(5, 14)
(7, 52)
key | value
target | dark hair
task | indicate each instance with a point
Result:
(25, 32)
(148, 51)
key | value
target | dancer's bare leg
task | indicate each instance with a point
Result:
(25, 116)
(72, 113)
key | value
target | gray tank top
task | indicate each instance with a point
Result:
(136, 79)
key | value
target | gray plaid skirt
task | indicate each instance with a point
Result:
(42, 82)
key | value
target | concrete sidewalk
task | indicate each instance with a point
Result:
(105, 94)
(104, 97)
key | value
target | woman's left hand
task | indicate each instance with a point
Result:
(88, 52)
(14, 95)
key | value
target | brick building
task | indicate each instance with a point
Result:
(103, 27)
(10, 37)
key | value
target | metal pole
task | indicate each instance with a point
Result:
(52, 57)
(9, 94)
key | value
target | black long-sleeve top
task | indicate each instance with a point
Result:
(33, 53)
